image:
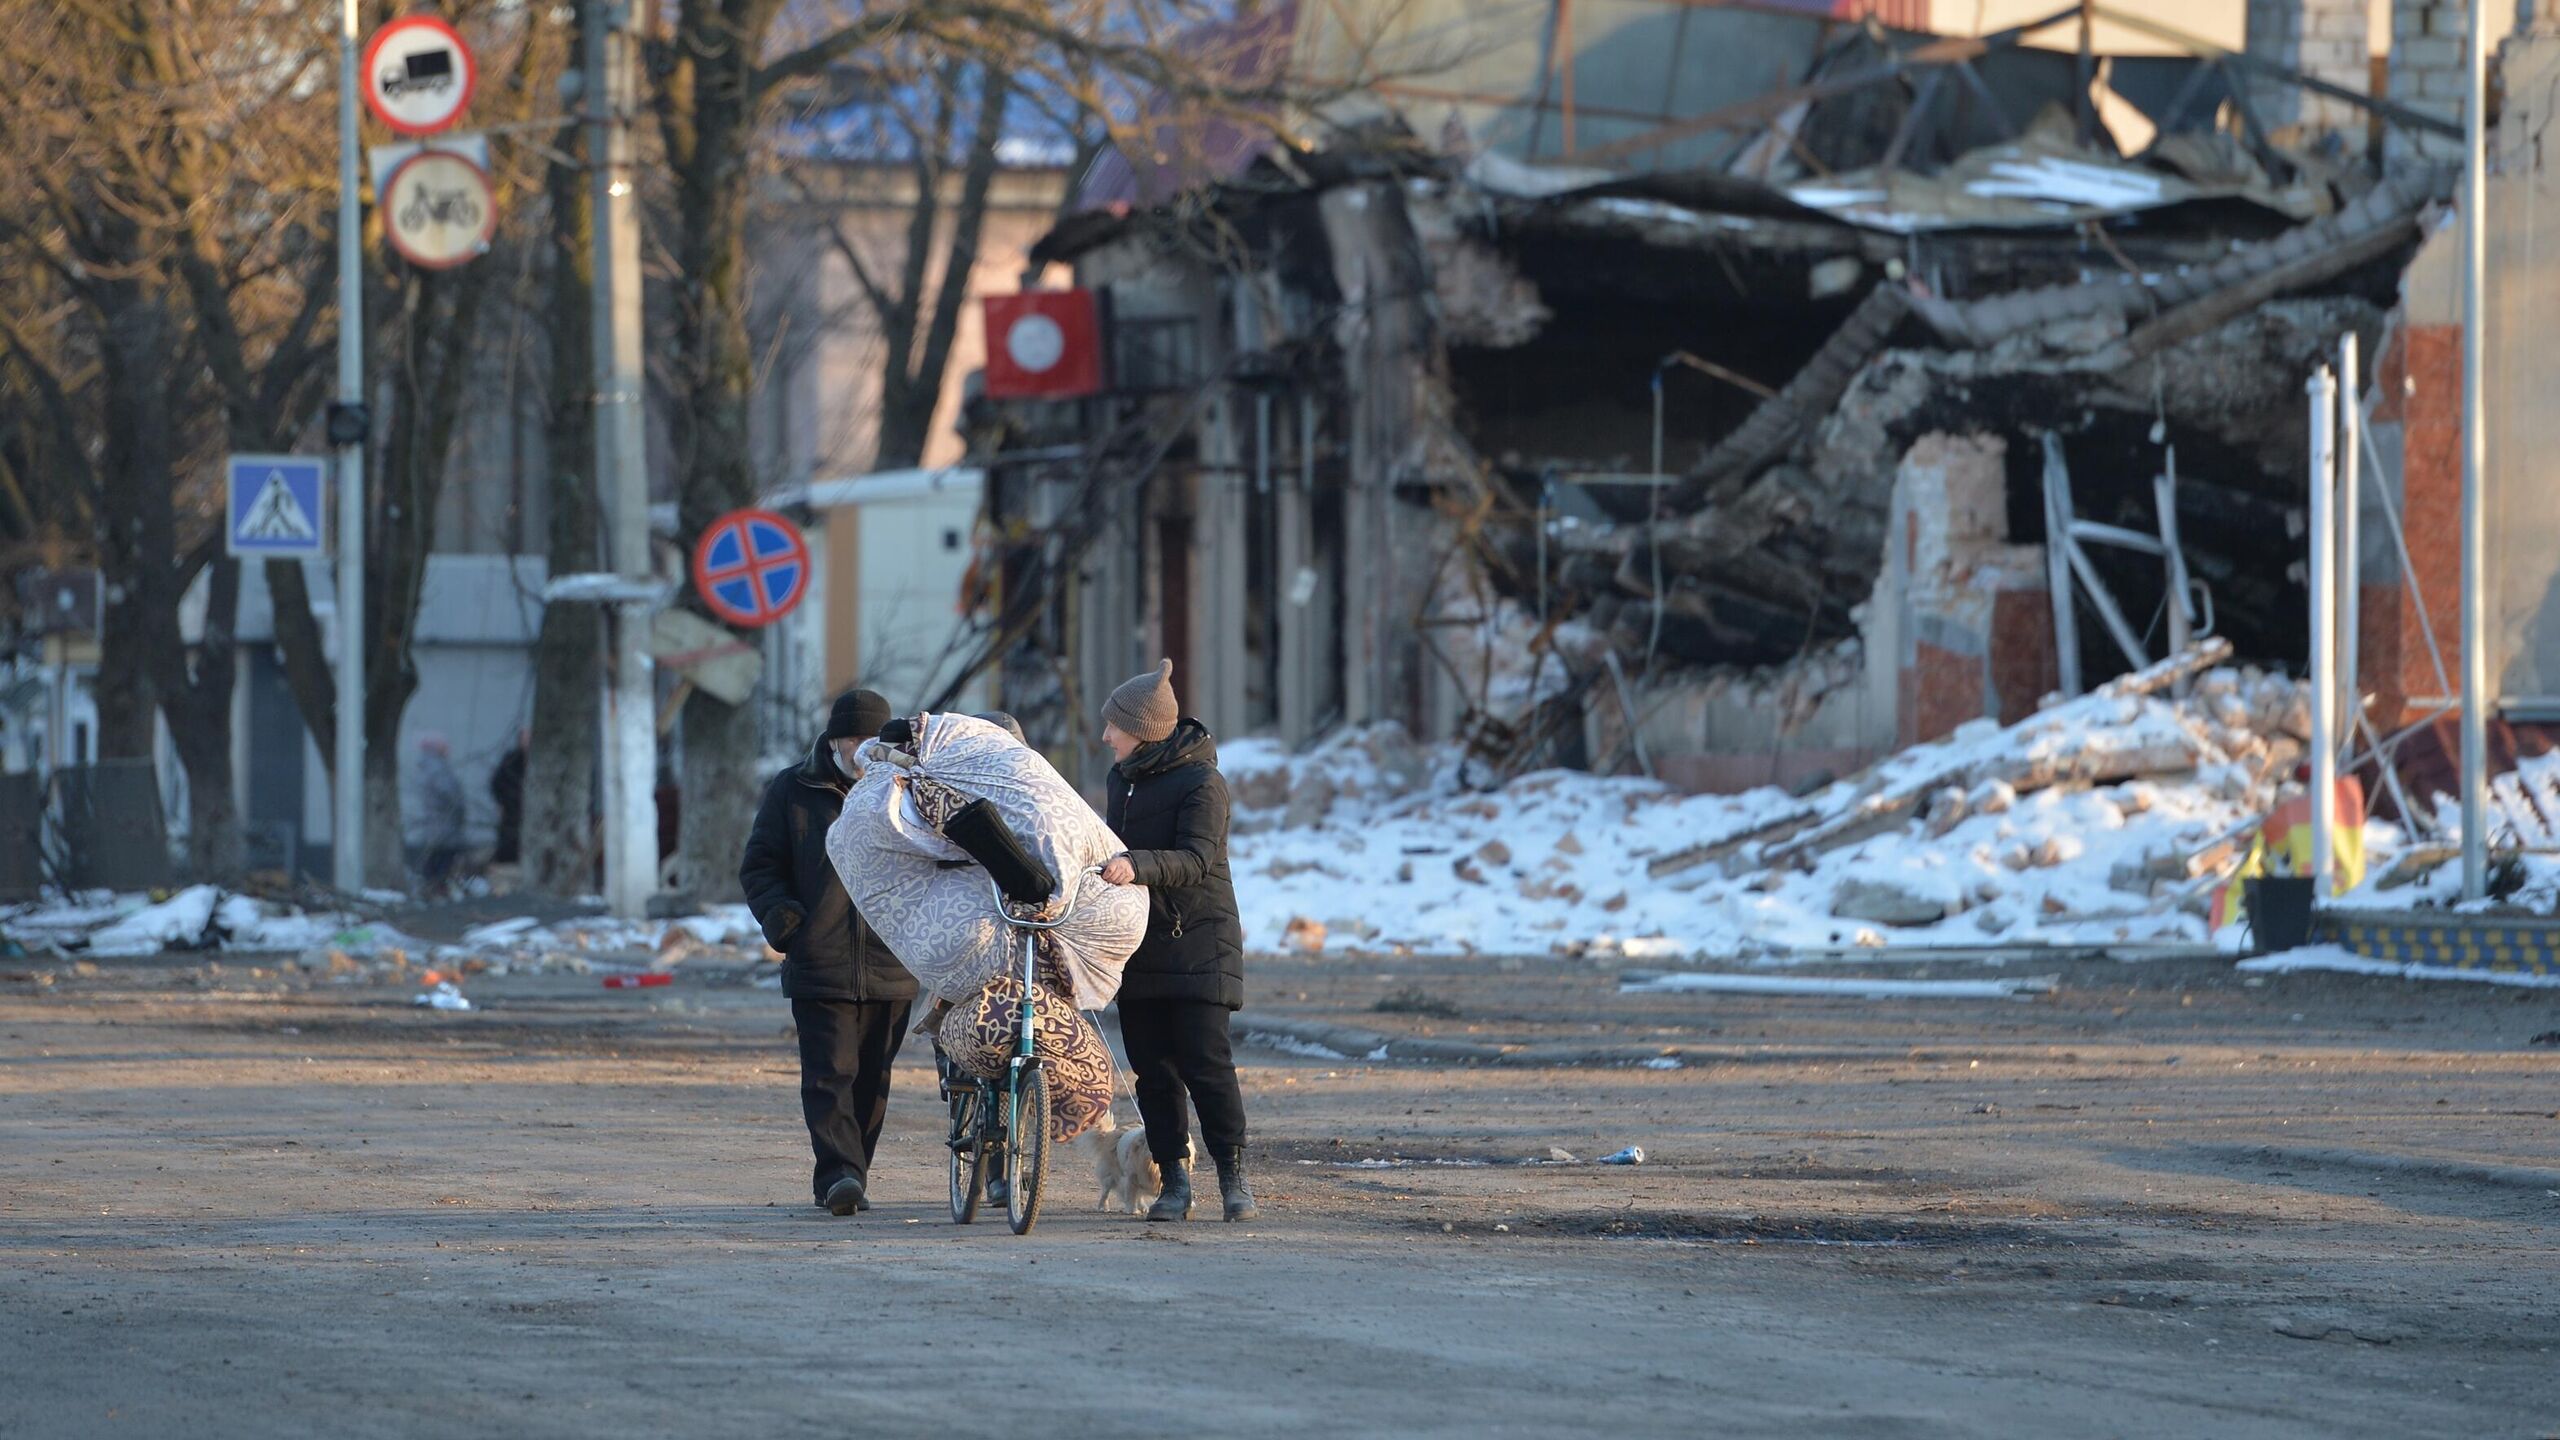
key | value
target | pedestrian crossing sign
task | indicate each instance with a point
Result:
(277, 504)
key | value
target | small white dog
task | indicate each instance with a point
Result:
(1122, 1164)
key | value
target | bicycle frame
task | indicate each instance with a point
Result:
(1028, 932)
(984, 1124)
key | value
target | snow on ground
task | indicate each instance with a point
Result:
(2344, 961)
(200, 917)
(2536, 879)
(348, 947)
(1367, 843)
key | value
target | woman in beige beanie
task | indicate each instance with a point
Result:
(1169, 806)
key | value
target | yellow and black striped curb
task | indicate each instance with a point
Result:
(2484, 944)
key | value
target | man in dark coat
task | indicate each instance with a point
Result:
(849, 995)
(506, 787)
(1169, 805)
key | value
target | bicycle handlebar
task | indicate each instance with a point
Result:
(1004, 907)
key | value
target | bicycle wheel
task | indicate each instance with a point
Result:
(968, 1170)
(1026, 1160)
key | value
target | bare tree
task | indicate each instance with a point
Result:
(130, 121)
(723, 70)
(173, 172)
(561, 842)
(425, 331)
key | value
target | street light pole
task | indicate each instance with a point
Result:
(2475, 351)
(622, 474)
(347, 796)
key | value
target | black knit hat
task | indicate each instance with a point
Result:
(857, 714)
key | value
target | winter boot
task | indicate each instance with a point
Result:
(998, 1192)
(1233, 1191)
(1174, 1201)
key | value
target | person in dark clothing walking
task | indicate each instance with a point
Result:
(850, 997)
(506, 788)
(1169, 806)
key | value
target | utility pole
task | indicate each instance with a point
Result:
(347, 429)
(622, 475)
(2475, 446)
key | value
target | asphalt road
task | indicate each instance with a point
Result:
(2158, 1201)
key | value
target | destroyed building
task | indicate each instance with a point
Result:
(1720, 434)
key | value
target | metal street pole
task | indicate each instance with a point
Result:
(346, 825)
(2475, 351)
(622, 475)
(2348, 571)
(2324, 625)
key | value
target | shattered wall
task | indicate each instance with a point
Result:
(1961, 617)
(2324, 38)
(2416, 402)
(2428, 71)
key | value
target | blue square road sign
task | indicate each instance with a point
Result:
(278, 506)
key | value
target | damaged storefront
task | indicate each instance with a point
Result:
(1727, 446)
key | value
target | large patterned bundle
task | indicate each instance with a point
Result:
(942, 919)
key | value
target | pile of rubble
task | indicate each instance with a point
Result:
(2104, 820)
(345, 947)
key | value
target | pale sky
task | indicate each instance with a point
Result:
(2215, 20)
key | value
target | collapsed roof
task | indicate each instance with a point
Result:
(1771, 278)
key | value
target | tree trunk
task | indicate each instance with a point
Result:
(560, 836)
(719, 782)
(198, 707)
(906, 419)
(136, 517)
(386, 852)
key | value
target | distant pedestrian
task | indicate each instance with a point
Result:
(442, 819)
(506, 788)
(1169, 805)
(849, 995)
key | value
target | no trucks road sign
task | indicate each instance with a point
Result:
(418, 75)
(751, 567)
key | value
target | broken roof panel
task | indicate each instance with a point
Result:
(2041, 182)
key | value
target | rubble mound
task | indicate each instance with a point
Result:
(2105, 819)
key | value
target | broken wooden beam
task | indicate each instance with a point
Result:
(1900, 796)
(2304, 255)
(1772, 427)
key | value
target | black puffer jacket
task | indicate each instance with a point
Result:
(1169, 806)
(828, 952)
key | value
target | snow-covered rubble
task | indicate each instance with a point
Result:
(345, 947)
(2100, 820)
(200, 917)
(522, 945)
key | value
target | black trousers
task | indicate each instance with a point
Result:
(846, 1049)
(1179, 1047)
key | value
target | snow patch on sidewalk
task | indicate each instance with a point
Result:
(2340, 960)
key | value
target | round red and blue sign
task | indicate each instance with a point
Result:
(751, 567)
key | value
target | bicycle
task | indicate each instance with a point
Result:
(1008, 1116)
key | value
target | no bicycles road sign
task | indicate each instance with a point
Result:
(438, 209)
(751, 567)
